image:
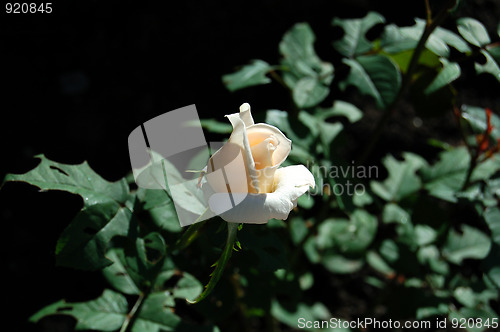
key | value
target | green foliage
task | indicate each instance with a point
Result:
(415, 226)
(376, 76)
(251, 74)
(354, 41)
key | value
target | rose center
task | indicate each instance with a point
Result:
(262, 152)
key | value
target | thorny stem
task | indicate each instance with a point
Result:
(431, 25)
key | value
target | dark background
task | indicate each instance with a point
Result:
(77, 81)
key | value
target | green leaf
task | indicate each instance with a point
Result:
(424, 234)
(476, 118)
(299, 57)
(428, 105)
(106, 313)
(77, 179)
(309, 92)
(187, 286)
(160, 207)
(491, 268)
(403, 58)
(328, 132)
(185, 194)
(431, 256)
(490, 67)
(349, 236)
(393, 213)
(340, 264)
(398, 39)
(354, 41)
(292, 315)
(451, 39)
(402, 180)
(249, 75)
(378, 263)
(446, 177)
(466, 296)
(440, 310)
(340, 108)
(494, 51)
(84, 242)
(155, 315)
(298, 229)
(117, 274)
(464, 314)
(376, 76)
(473, 31)
(450, 72)
(472, 243)
(492, 217)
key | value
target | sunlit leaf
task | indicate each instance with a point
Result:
(492, 218)
(156, 315)
(465, 295)
(354, 41)
(450, 72)
(337, 263)
(402, 180)
(489, 67)
(307, 313)
(431, 256)
(349, 236)
(300, 59)
(378, 263)
(249, 75)
(472, 243)
(107, 313)
(447, 176)
(397, 39)
(77, 179)
(472, 314)
(473, 31)
(476, 118)
(309, 92)
(340, 108)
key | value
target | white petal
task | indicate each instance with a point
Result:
(240, 138)
(290, 183)
(227, 171)
(246, 114)
(293, 181)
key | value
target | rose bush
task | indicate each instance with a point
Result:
(244, 181)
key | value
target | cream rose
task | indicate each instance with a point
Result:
(244, 181)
